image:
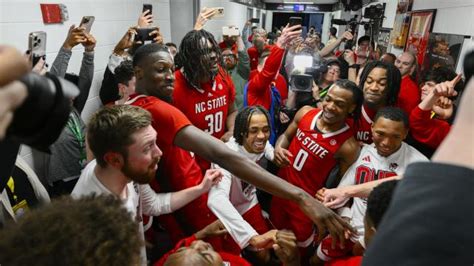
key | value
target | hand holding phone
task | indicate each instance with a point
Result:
(295, 21)
(87, 22)
(230, 31)
(37, 46)
(148, 7)
(219, 13)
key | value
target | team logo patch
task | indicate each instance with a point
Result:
(333, 142)
(314, 136)
(393, 166)
(209, 94)
(366, 159)
(219, 86)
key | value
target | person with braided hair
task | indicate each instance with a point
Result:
(380, 83)
(203, 90)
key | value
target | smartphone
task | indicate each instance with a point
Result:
(255, 20)
(147, 7)
(230, 31)
(37, 46)
(87, 22)
(295, 21)
(220, 12)
(143, 34)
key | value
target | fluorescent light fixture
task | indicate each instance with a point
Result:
(295, 2)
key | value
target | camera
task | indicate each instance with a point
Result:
(305, 71)
(40, 119)
(374, 11)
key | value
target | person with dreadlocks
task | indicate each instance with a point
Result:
(234, 201)
(312, 145)
(380, 83)
(262, 86)
(203, 90)
(154, 71)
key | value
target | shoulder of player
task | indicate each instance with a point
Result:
(413, 155)
(303, 111)
(349, 149)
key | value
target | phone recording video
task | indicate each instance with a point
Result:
(87, 22)
(295, 21)
(37, 46)
(148, 7)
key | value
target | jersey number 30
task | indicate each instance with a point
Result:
(214, 122)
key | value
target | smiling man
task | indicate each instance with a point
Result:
(315, 142)
(203, 90)
(387, 157)
(380, 83)
(122, 140)
(234, 201)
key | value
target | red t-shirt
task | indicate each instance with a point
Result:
(254, 55)
(426, 130)
(226, 258)
(258, 88)
(409, 96)
(313, 153)
(207, 109)
(177, 168)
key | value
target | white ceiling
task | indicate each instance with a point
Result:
(302, 1)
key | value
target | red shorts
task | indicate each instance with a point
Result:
(285, 214)
(326, 252)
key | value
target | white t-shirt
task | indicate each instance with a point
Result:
(372, 166)
(141, 199)
(233, 197)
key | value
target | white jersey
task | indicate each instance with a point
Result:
(232, 197)
(372, 166)
(140, 198)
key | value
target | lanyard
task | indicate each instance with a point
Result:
(74, 126)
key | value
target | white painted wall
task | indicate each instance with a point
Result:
(234, 14)
(112, 19)
(181, 18)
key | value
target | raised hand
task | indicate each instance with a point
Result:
(288, 35)
(145, 19)
(90, 42)
(74, 37)
(126, 42)
(204, 16)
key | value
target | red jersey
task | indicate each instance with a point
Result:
(206, 108)
(363, 131)
(227, 259)
(177, 168)
(313, 153)
(258, 88)
(254, 55)
(409, 96)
